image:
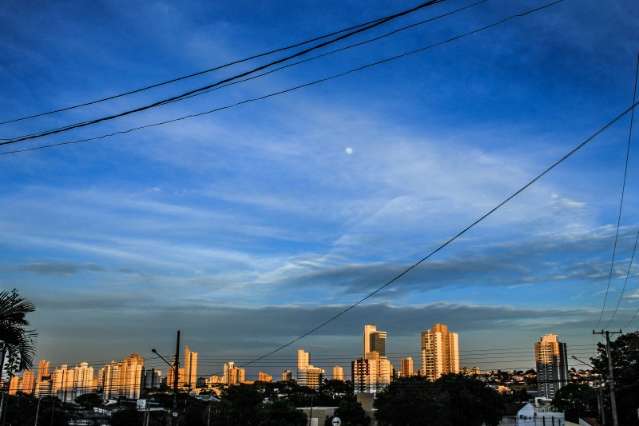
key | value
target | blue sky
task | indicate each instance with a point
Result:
(249, 226)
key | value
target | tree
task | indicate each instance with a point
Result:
(406, 402)
(127, 417)
(89, 400)
(281, 413)
(239, 405)
(449, 401)
(350, 413)
(334, 391)
(625, 361)
(578, 398)
(16, 340)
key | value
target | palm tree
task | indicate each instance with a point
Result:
(17, 342)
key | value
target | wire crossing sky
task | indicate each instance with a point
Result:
(247, 227)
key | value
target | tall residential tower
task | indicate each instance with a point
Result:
(552, 365)
(440, 352)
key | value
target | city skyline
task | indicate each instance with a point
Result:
(241, 212)
(276, 224)
(369, 374)
(468, 361)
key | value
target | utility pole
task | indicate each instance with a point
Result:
(602, 411)
(611, 374)
(37, 414)
(599, 385)
(176, 369)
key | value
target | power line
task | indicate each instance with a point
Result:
(226, 80)
(191, 75)
(626, 279)
(323, 55)
(621, 200)
(634, 249)
(288, 90)
(454, 237)
(344, 48)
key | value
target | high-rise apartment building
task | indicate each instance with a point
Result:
(63, 382)
(27, 383)
(213, 380)
(406, 367)
(264, 377)
(338, 373)
(374, 371)
(374, 340)
(131, 376)
(307, 374)
(83, 380)
(170, 376)
(190, 368)
(286, 376)
(372, 374)
(24, 384)
(552, 365)
(43, 379)
(14, 385)
(122, 378)
(152, 378)
(440, 352)
(233, 375)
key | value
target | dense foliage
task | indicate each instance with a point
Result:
(625, 360)
(351, 413)
(579, 399)
(452, 400)
(17, 348)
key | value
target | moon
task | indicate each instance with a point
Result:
(348, 150)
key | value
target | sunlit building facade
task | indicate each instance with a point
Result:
(122, 379)
(372, 372)
(374, 340)
(43, 379)
(233, 375)
(14, 385)
(338, 373)
(264, 377)
(190, 369)
(552, 365)
(439, 352)
(286, 376)
(406, 367)
(307, 374)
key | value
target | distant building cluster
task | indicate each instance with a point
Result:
(116, 379)
(373, 371)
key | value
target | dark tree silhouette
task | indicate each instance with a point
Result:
(17, 340)
(625, 360)
(281, 413)
(351, 413)
(449, 401)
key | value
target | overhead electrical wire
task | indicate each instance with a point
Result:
(191, 75)
(634, 249)
(455, 237)
(343, 48)
(155, 104)
(626, 279)
(288, 90)
(621, 201)
(323, 55)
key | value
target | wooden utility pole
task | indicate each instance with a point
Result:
(176, 373)
(611, 374)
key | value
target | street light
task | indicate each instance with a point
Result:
(174, 412)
